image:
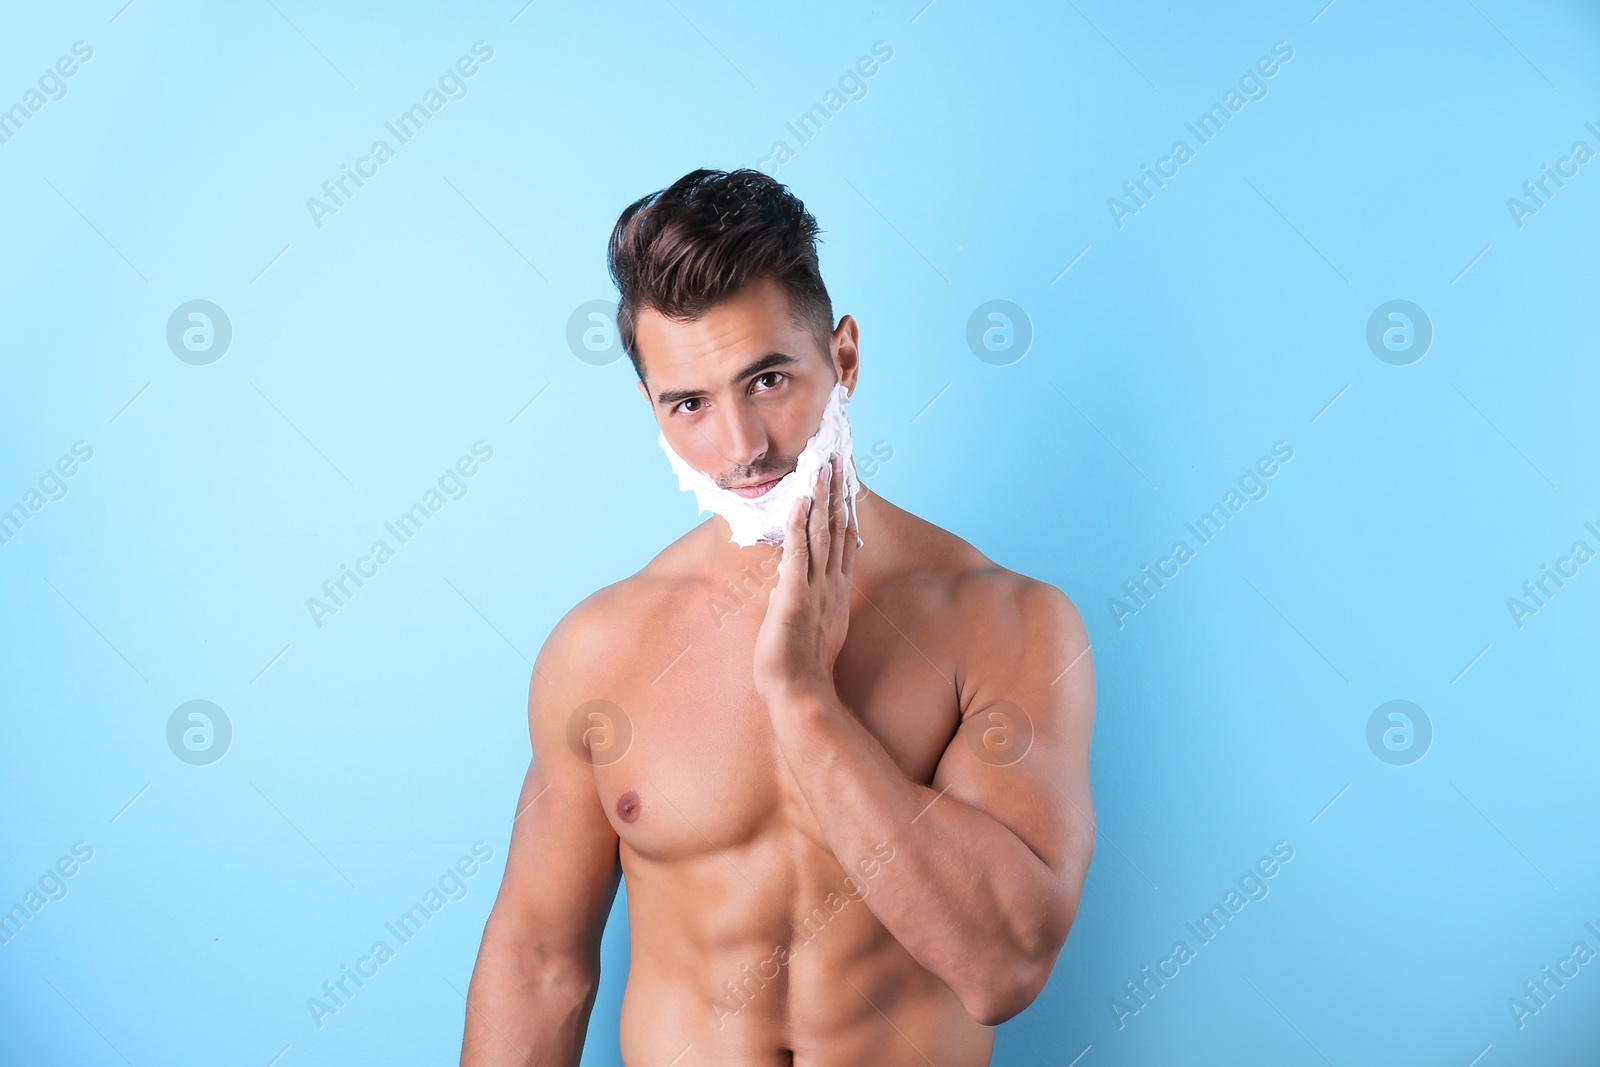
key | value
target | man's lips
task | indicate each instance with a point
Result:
(755, 489)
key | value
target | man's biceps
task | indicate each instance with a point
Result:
(564, 810)
(557, 899)
(1044, 722)
(997, 790)
(1037, 730)
(1032, 794)
(569, 731)
(562, 850)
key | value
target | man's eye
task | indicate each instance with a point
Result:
(769, 379)
(690, 406)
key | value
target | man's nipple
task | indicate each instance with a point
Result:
(628, 806)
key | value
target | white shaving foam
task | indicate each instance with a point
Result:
(761, 520)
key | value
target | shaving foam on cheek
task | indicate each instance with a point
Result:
(761, 520)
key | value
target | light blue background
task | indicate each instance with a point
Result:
(368, 354)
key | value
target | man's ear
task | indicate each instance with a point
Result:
(846, 352)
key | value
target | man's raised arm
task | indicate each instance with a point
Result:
(989, 862)
(539, 965)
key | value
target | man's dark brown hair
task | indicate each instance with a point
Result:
(686, 248)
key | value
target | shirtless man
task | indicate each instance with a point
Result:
(849, 793)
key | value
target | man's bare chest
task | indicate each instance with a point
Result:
(695, 765)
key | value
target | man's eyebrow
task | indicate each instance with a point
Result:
(766, 362)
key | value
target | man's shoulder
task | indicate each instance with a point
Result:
(980, 596)
(1007, 636)
(1000, 609)
(616, 619)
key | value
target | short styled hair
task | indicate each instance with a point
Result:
(688, 247)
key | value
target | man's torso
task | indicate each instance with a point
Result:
(751, 943)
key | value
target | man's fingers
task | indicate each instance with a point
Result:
(796, 550)
(852, 537)
(837, 516)
(817, 526)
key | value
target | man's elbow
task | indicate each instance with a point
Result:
(564, 976)
(1006, 992)
(1005, 996)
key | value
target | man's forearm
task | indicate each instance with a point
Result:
(965, 896)
(523, 1013)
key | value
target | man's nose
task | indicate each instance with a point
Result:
(743, 434)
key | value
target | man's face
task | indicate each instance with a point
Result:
(739, 391)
